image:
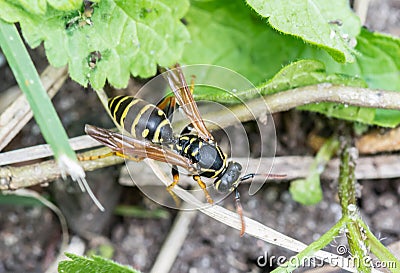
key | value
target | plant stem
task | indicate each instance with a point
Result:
(379, 250)
(295, 261)
(283, 101)
(347, 196)
(346, 178)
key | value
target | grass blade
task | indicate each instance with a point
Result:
(29, 82)
(43, 111)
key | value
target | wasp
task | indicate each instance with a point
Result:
(151, 136)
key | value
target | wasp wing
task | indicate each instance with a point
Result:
(132, 147)
(184, 96)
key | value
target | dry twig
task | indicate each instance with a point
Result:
(14, 118)
(286, 100)
(174, 241)
(377, 142)
(12, 178)
(361, 9)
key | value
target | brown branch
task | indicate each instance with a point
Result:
(12, 178)
(286, 100)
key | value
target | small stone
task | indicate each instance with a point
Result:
(387, 220)
(387, 200)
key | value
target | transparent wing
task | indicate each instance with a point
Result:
(184, 96)
(132, 147)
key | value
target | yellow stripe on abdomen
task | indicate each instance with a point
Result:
(137, 118)
(156, 137)
(126, 110)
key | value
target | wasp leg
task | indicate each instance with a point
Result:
(168, 105)
(175, 175)
(113, 153)
(204, 187)
(239, 211)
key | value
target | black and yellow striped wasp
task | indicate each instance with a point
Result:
(151, 136)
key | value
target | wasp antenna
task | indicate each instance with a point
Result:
(247, 176)
(276, 176)
(267, 175)
(239, 211)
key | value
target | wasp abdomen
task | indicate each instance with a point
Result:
(141, 119)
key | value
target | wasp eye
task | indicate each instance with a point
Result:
(228, 181)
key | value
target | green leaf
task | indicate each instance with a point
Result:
(65, 4)
(296, 74)
(378, 64)
(19, 200)
(120, 38)
(35, 6)
(343, 111)
(229, 34)
(303, 73)
(95, 264)
(39, 7)
(386, 118)
(104, 250)
(328, 24)
(138, 212)
(308, 191)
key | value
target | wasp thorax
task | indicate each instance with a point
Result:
(208, 157)
(228, 181)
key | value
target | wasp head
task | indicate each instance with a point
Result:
(229, 179)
